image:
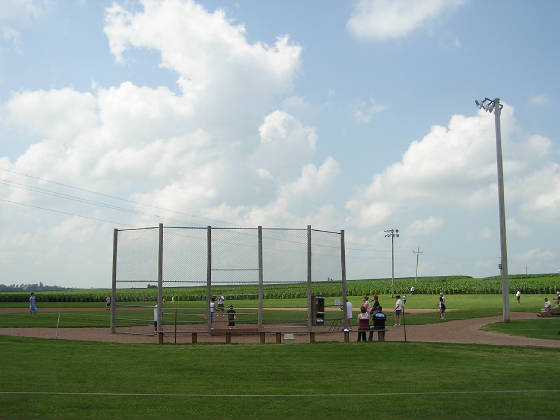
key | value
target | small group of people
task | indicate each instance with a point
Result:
(548, 310)
(231, 314)
(374, 312)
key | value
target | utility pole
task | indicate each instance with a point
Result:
(392, 233)
(417, 255)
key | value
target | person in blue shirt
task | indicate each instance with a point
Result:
(378, 319)
(32, 305)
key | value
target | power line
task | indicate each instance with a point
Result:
(112, 197)
(62, 212)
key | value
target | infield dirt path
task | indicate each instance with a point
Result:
(466, 331)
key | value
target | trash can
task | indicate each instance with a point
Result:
(318, 310)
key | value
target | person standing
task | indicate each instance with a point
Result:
(441, 306)
(349, 314)
(231, 316)
(32, 305)
(221, 300)
(412, 290)
(363, 324)
(378, 324)
(366, 303)
(375, 306)
(107, 303)
(518, 296)
(398, 311)
(155, 317)
(212, 307)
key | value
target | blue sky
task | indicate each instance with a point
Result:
(354, 115)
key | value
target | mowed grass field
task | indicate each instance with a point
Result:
(460, 306)
(60, 379)
(68, 380)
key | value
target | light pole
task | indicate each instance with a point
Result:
(496, 107)
(417, 255)
(392, 233)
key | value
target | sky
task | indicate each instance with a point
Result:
(355, 115)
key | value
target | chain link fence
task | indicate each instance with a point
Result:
(243, 280)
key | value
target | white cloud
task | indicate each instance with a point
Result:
(389, 19)
(425, 227)
(486, 233)
(537, 255)
(263, 174)
(515, 228)
(58, 115)
(364, 111)
(218, 68)
(456, 165)
(541, 193)
(312, 182)
(285, 145)
(538, 100)
(16, 15)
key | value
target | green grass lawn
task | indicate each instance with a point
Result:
(548, 328)
(319, 381)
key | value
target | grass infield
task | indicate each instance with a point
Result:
(547, 328)
(67, 380)
(460, 307)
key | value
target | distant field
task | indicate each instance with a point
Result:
(531, 284)
(69, 380)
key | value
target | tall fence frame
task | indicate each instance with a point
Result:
(211, 271)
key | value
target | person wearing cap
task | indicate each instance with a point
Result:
(375, 306)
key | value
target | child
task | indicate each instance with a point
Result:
(363, 323)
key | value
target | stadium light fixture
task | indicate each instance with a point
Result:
(494, 105)
(392, 233)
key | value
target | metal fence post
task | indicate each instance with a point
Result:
(114, 282)
(160, 287)
(309, 290)
(208, 276)
(343, 268)
(261, 294)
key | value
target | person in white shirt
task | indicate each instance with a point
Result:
(441, 306)
(518, 296)
(155, 317)
(221, 300)
(212, 306)
(398, 311)
(366, 303)
(349, 314)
